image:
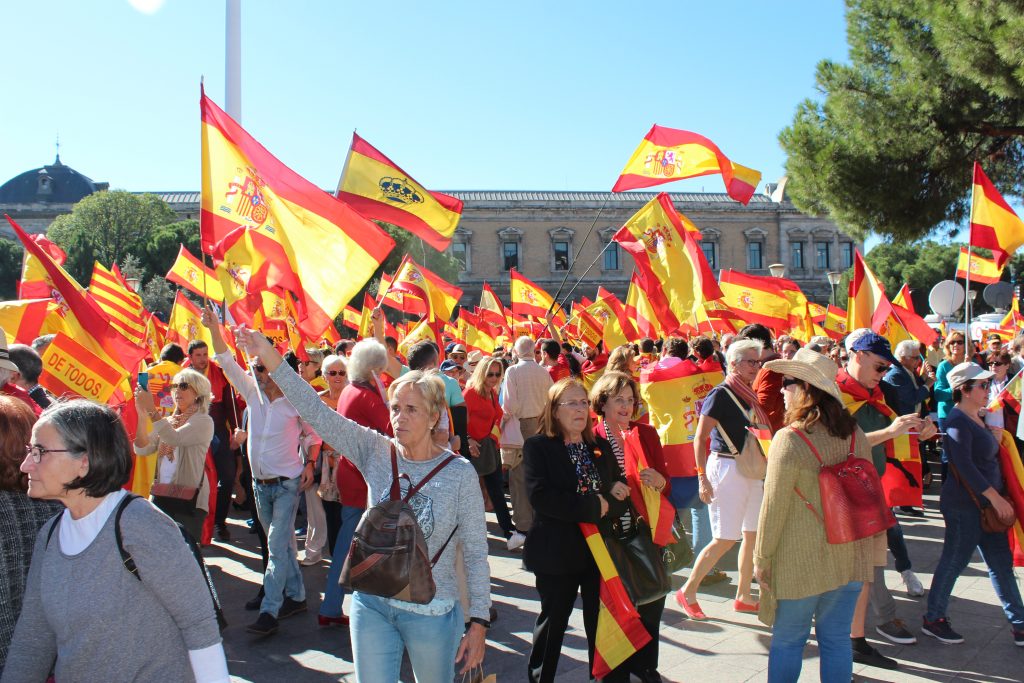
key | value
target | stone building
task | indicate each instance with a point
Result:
(547, 236)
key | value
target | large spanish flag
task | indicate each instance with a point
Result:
(669, 262)
(296, 236)
(994, 225)
(195, 276)
(529, 298)
(377, 188)
(756, 299)
(667, 154)
(34, 282)
(984, 270)
(674, 390)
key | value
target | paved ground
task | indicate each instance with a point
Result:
(729, 647)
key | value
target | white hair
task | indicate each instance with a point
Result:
(852, 338)
(908, 348)
(331, 360)
(5, 375)
(524, 347)
(368, 356)
(734, 354)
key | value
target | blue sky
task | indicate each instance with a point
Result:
(463, 95)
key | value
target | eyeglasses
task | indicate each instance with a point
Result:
(37, 452)
(581, 404)
(789, 382)
(494, 374)
(335, 373)
(259, 368)
(181, 386)
(752, 361)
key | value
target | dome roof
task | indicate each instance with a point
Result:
(53, 184)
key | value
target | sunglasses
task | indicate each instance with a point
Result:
(982, 385)
(955, 342)
(181, 386)
(335, 373)
(790, 382)
(998, 364)
(494, 374)
(259, 368)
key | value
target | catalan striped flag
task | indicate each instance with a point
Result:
(654, 507)
(983, 270)
(25, 319)
(620, 633)
(1013, 475)
(123, 306)
(994, 225)
(668, 154)
(377, 188)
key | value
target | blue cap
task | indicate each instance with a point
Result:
(448, 365)
(876, 344)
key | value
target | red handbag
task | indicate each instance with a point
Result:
(852, 500)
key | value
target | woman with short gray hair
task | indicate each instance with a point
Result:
(369, 358)
(80, 456)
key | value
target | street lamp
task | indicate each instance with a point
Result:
(133, 283)
(971, 296)
(834, 278)
(777, 269)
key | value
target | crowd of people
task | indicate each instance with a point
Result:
(432, 440)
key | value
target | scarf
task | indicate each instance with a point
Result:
(176, 421)
(747, 395)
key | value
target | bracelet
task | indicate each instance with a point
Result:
(700, 471)
(478, 620)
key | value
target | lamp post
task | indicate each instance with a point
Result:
(133, 283)
(834, 278)
(971, 296)
(777, 269)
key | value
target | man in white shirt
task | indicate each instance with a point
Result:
(278, 477)
(524, 394)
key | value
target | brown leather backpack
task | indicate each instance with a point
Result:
(388, 557)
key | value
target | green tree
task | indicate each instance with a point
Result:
(163, 243)
(931, 87)
(11, 253)
(107, 226)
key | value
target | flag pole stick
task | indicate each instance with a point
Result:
(568, 271)
(580, 280)
(967, 280)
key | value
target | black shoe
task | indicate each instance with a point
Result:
(265, 625)
(290, 607)
(912, 511)
(874, 658)
(254, 604)
(223, 533)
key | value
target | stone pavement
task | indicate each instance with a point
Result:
(728, 647)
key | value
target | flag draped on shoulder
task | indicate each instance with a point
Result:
(651, 505)
(668, 154)
(195, 276)
(377, 188)
(669, 262)
(272, 228)
(994, 225)
(983, 270)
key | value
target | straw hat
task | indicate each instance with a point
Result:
(5, 357)
(811, 367)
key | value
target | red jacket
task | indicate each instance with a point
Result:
(362, 403)
(12, 389)
(768, 387)
(483, 413)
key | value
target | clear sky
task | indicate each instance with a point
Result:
(463, 95)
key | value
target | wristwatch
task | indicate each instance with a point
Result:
(478, 620)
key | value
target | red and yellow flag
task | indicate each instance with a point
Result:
(34, 282)
(440, 297)
(69, 368)
(667, 154)
(377, 188)
(477, 334)
(275, 229)
(350, 318)
(616, 328)
(670, 264)
(530, 299)
(588, 329)
(834, 323)
(1013, 475)
(652, 506)
(994, 225)
(639, 309)
(123, 306)
(755, 298)
(25, 319)
(1009, 396)
(492, 310)
(195, 276)
(868, 305)
(186, 323)
(982, 269)
(674, 390)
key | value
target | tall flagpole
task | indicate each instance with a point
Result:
(967, 280)
(233, 59)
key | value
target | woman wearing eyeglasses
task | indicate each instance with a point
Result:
(1004, 416)
(484, 414)
(335, 375)
(180, 442)
(571, 477)
(976, 476)
(954, 349)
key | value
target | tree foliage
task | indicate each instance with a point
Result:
(931, 87)
(10, 268)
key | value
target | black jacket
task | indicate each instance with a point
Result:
(555, 543)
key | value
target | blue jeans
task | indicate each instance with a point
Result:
(334, 593)
(380, 632)
(276, 505)
(963, 535)
(685, 497)
(832, 613)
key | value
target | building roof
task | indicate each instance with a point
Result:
(52, 184)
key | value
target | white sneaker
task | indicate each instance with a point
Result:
(310, 560)
(913, 584)
(515, 541)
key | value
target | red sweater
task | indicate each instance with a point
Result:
(483, 413)
(361, 403)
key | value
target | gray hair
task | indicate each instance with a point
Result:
(429, 384)
(908, 348)
(199, 384)
(524, 347)
(368, 356)
(5, 375)
(734, 354)
(315, 354)
(852, 338)
(331, 360)
(89, 428)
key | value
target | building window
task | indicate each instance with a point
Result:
(755, 259)
(823, 255)
(796, 259)
(460, 250)
(510, 255)
(561, 255)
(709, 254)
(846, 255)
(611, 257)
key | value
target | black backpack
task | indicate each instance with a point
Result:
(129, 562)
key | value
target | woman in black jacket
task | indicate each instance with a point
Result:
(571, 477)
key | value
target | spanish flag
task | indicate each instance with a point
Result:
(652, 506)
(195, 276)
(1009, 396)
(669, 262)
(994, 225)
(476, 333)
(982, 269)
(186, 323)
(491, 309)
(667, 154)
(1013, 475)
(34, 282)
(755, 298)
(350, 318)
(868, 306)
(530, 299)
(123, 306)
(617, 329)
(588, 329)
(440, 296)
(264, 220)
(834, 323)
(377, 188)
(71, 369)
(25, 319)
(399, 300)
(638, 307)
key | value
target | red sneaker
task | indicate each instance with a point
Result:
(325, 622)
(692, 609)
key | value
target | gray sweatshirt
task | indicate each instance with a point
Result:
(99, 622)
(451, 497)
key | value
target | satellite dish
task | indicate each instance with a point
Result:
(946, 298)
(998, 295)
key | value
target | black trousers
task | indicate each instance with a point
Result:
(226, 465)
(557, 597)
(645, 661)
(332, 510)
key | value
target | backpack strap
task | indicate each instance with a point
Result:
(809, 444)
(437, 555)
(430, 475)
(53, 527)
(396, 489)
(126, 557)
